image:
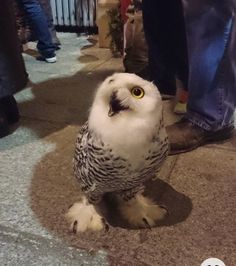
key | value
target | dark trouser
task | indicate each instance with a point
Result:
(13, 76)
(39, 24)
(165, 34)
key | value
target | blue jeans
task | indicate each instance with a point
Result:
(211, 35)
(46, 6)
(211, 41)
(39, 25)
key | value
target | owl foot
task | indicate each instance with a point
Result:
(141, 212)
(82, 216)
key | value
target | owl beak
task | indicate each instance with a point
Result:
(111, 112)
(115, 105)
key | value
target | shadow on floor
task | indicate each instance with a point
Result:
(67, 99)
(178, 205)
(50, 106)
(54, 189)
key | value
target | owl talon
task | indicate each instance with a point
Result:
(106, 225)
(74, 230)
(83, 217)
(165, 208)
(107, 228)
(70, 206)
(142, 212)
(147, 224)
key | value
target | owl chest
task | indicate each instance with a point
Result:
(102, 161)
(124, 165)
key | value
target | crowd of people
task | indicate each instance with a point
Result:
(189, 40)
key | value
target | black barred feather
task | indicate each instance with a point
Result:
(99, 170)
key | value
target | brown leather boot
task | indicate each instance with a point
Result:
(184, 136)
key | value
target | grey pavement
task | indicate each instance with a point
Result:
(37, 184)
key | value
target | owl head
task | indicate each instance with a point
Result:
(125, 103)
(124, 94)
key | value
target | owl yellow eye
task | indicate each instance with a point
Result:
(137, 92)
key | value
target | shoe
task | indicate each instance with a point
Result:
(57, 47)
(4, 128)
(184, 136)
(51, 59)
(9, 106)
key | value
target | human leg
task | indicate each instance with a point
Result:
(212, 85)
(9, 114)
(40, 27)
(155, 22)
(212, 79)
(165, 34)
(13, 76)
(46, 6)
(4, 127)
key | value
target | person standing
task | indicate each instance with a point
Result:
(13, 76)
(211, 35)
(164, 28)
(39, 23)
(46, 6)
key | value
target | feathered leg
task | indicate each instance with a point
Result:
(142, 212)
(82, 216)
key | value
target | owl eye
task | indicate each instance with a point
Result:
(137, 92)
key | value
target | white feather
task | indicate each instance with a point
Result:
(129, 132)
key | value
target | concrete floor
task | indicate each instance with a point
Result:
(37, 185)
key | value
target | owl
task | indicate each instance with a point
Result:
(122, 145)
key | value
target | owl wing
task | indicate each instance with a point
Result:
(81, 155)
(96, 167)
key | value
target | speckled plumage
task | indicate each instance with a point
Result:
(122, 145)
(101, 168)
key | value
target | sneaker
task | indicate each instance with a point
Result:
(51, 59)
(185, 136)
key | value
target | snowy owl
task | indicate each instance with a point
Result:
(122, 145)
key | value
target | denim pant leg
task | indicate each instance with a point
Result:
(212, 77)
(46, 6)
(40, 27)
